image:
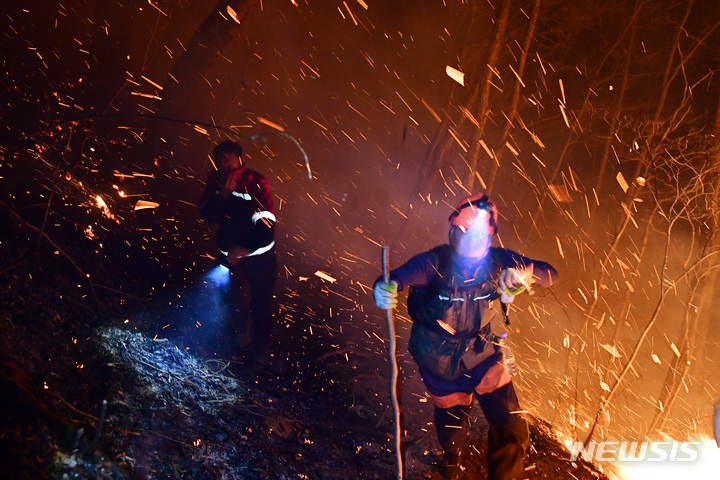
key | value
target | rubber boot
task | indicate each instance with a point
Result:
(508, 437)
(451, 425)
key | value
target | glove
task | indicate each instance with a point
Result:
(511, 282)
(386, 294)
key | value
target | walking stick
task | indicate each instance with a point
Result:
(393, 367)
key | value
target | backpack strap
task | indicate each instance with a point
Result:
(416, 302)
(443, 253)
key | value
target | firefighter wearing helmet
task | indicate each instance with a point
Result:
(455, 332)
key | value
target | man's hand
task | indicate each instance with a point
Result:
(229, 187)
(236, 253)
(513, 281)
(386, 295)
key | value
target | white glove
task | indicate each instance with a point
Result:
(386, 294)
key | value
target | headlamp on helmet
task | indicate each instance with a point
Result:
(475, 212)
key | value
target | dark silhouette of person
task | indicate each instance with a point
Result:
(238, 199)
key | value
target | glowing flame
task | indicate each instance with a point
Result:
(106, 211)
(144, 204)
(233, 14)
(271, 124)
(455, 74)
(89, 233)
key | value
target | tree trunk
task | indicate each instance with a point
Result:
(619, 105)
(515, 97)
(483, 88)
(189, 75)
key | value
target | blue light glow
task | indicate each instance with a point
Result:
(220, 277)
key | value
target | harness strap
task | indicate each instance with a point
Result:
(436, 328)
(436, 290)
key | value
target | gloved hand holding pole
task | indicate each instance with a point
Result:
(385, 294)
(388, 302)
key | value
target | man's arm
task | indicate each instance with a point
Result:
(418, 272)
(543, 274)
(261, 194)
(212, 199)
(263, 219)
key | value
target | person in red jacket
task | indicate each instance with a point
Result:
(454, 340)
(239, 200)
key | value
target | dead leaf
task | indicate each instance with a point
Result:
(280, 425)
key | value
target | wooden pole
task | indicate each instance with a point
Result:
(393, 367)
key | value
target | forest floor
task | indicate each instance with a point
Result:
(183, 404)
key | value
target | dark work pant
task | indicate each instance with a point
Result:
(508, 436)
(451, 425)
(260, 273)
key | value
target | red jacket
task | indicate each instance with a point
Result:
(246, 217)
